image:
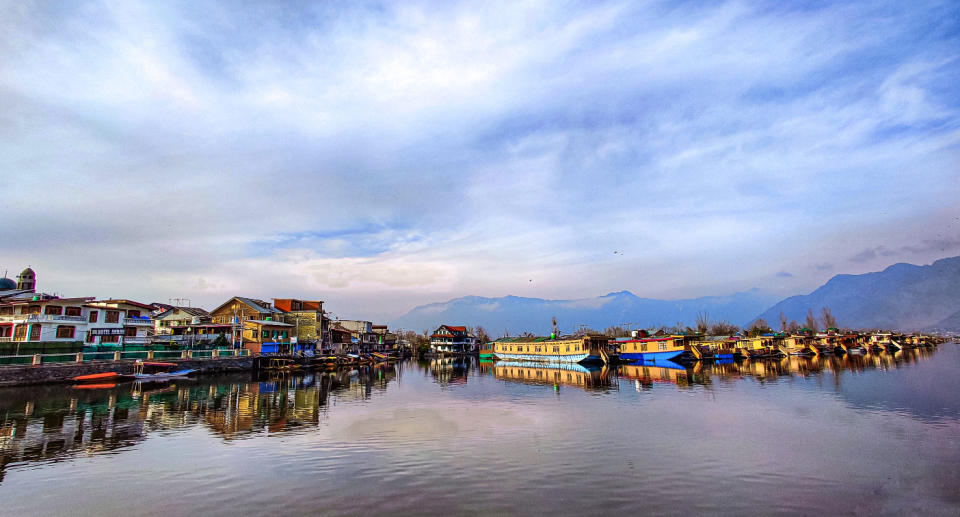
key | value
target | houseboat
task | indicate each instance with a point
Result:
(485, 350)
(800, 346)
(585, 349)
(658, 349)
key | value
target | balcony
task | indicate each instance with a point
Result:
(42, 318)
(137, 340)
(142, 322)
(6, 339)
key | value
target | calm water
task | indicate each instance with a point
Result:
(878, 434)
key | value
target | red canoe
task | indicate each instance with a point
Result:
(99, 377)
(95, 386)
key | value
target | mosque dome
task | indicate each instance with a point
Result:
(7, 284)
(28, 273)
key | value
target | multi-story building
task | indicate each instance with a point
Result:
(44, 319)
(310, 326)
(165, 321)
(452, 339)
(119, 322)
(362, 336)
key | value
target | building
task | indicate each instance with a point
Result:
(452, 339)
(165, 321)
(341, 340)
(238, 309)
(310, 326)
(386, 340)
(46, 320)
(362, 336)
(119, 323)
(266, 336)
(27, 280)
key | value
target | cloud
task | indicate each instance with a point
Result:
(392, 153)
(784, 274)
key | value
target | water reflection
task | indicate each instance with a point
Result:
(555, 375)
(52, 423)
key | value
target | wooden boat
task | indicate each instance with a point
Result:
(279, 364)
(585, 349)
(139, 371)
(101, 377)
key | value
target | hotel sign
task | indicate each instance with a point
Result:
(107, 332)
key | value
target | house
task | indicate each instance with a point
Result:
(340, 338)
(385, 339)
(266, 336)
(306, 316)
(238, 309)
(119, 323)
(361, 332)
(47, 320)
(178, 317)
(452, 339)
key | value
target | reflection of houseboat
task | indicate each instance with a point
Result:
(658, 349)
(586, 349)
(555, 374)
(647, 373)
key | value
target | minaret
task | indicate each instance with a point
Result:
(27, 280)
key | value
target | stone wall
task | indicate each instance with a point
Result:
(14, 375)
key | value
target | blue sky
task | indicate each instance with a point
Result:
(383, 155)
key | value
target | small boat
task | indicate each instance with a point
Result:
(139, 371)
(101, 377)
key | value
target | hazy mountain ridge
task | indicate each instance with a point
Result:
(902, 296)
(516, 314)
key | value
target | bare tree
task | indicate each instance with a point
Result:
(759, 326)
(811, 322)
(783, 322)
(723, 328)
(703, 322)
(828, 320)
(793, 327)
(481, 334)
(616, 331)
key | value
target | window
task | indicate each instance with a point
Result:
(133, 314)
(265, 334)
(113, 317)
(130, 331)
(35, 332)
(65, 331)
(109, 339)
(93, 316)
(643, 347)
(6, 311)
(33, 309)
(5, 331)
(20, 333)
(662, 346)
(72, 311)
(55, 310)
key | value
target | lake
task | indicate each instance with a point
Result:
(873, 434)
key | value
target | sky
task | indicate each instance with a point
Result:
(379, 156)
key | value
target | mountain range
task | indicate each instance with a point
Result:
(514, 315)
(903, 297)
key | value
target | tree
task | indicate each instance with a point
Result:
(481, 334)
(703, 322)
(783, 322)
(811, 322)
(828, 320)
(221, 342)
(759, 326)
(616, 331)
(723, 328)
(793, 327)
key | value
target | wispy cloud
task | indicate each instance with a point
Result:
(387, 154)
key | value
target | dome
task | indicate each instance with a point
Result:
(6, 284)
(27, 273)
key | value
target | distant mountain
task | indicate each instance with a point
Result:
(902, 297)
(516, 315)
